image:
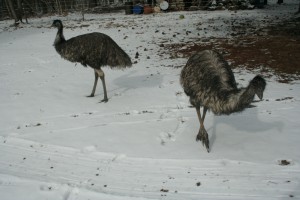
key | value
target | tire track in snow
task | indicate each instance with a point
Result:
(87, 120)
(145, 177)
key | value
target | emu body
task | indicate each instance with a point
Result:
(94, 50)
(209, 82)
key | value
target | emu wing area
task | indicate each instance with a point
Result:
(207, 79)
(94, 50)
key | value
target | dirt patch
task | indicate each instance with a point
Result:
(284, 162)
(275, 48)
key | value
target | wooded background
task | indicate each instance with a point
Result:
(22, 9)
(18, 9)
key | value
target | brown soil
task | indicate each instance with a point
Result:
(273, 49)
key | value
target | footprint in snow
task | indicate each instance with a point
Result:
(32, 125)
(86, 113)
(89, 149)
(46, 188)
(166, 137)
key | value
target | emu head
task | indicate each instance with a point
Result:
(258, 84)
(57, 23)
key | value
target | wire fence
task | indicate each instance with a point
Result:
(15, 9)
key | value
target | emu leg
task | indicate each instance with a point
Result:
(202, 134)
(95, 85)
(102, 77)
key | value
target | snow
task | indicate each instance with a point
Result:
(55, 143)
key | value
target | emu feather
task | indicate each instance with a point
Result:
(94, 50)
(209, 82)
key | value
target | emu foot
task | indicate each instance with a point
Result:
(203, 136)
(105, 100)
(91, 95)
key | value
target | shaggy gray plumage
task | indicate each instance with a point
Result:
(209, 82)
(94, 50)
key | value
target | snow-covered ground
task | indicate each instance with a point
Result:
(57, 144)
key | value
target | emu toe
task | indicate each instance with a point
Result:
(105, 100)
(203, 136)
(92, 95)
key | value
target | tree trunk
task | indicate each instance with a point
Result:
(1, 10)
(19, 11)
(11, 9)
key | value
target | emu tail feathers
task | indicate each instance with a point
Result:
(116, 57)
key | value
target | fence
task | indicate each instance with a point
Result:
(13, 8)
(18, 9)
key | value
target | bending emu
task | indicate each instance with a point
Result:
(92, 49)
(209, 82)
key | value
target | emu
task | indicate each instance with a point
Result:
(209, 82)
(94, 50)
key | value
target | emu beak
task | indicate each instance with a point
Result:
(52, 25)
(260, 95)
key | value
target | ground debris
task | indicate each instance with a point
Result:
(285, 98)
(275, 51)
(164, 190)
(284, 162)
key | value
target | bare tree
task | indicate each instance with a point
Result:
(11, 9)
(16, 10)
(20, 11)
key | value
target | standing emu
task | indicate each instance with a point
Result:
(209, 82)
(92, 49)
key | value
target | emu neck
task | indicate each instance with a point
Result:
(233, 101)
(247, 97)
(59, 39)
